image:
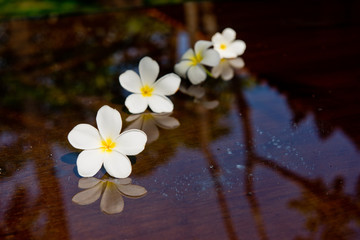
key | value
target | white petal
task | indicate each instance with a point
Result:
(160, 104)
(84, 136)
(88, 182)
(229, 34)
(117, 165)
(131, 81)
(196, 75)
(149, 70)
(136, 103)
(166, 122)
(131, 190)
(217, 39)
(109, 122)
(189, 54)
(216, 71)
(227, 53)
(89, 162)
(201, 46)
(89, 195)
(112, 201)
(211, 58)
(182, 67)
(167, 85)
(131, 142)
(238, 47)
(237, 62)
(227, 73)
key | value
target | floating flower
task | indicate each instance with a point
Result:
(226, 67)
(106, 145)
(192, 62)
(146, 91)
(113, 191)
(226, 45)
(149, 123)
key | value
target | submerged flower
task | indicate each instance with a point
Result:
(149, 123)
(198, 93)
(106, 145)
(226, 45)
(146, 91)
(192, 62)
(113, 191)
(226, 67)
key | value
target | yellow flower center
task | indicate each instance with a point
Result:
(146, 91)
(196, 59)
(223, 46)
(108, 145)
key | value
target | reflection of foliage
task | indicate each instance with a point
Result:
(329, 211)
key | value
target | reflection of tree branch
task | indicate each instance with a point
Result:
(244, 110)
(214, 171)
(333, 208)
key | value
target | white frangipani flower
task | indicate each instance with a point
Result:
(106, 145)
(225, 69)
(226, 45)
(191, 63)
(146, 91)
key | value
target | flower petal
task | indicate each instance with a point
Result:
(131, 81)
(149, 70)
(88, 182)
(237, 62)
(131, 190)
(201, 46)
(117, 165)
(109, 122)
(182, 67)
(84, 136)
(112, 201)
(167, 85)
(88, 196)
(166, 122)
(118, 181)
(217, 39)
(160, 104)
(211, 58)
(196, 75)
(133, 117)
(229, 34)
(136, 103)
(189, 54)
(131, 142)
(238, 47)
(89, 162)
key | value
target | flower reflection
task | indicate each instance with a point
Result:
(149, 123)
(198, 93)
(112, 191)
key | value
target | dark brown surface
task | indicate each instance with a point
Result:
(278, 159)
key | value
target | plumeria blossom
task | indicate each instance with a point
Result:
(226, 45)
(146, 91)
(112, 191)
(149, 123)
(192, 62)
(226, 67)
(106, 146)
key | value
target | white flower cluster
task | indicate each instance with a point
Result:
(223, 58)
(106, 147)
